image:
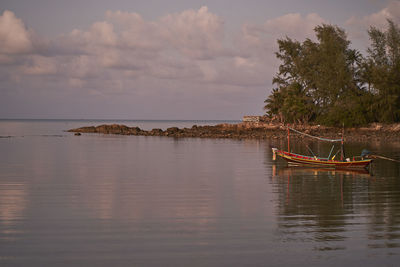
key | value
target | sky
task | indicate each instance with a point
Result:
(158, 59)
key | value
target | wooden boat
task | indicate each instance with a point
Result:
(296, 159)
(358, 162)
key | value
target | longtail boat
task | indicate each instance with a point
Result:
(356, 162)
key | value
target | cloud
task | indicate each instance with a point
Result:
(5, 59)
(14, 37)
(262, 38)
(378, 19)
(189, 46)
(358, 26)
(101, 33)
(168, 48)
(81, 66)
(134, 32)
(39, 65)
(185, 55)
(126, 62)
(293, 25)
(197, 34)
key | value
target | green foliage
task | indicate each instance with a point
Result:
(383, 69)
(290, 104)
(329, 83)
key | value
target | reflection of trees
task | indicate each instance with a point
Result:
(383, 200)
(312, 201)
(327, 206)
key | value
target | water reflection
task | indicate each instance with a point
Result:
(12, 202)
(159, 201)
(335, 208)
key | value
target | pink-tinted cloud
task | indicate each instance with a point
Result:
(14, 37)
(197, 34)
(188, 46)
(378, 19)
(293, 25)
(358, 26)
(39, 65)
(185, 56)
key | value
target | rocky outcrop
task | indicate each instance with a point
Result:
(253, 131)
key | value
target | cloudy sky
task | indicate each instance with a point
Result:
(158, 59)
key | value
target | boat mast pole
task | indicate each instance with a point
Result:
(342, 146)
(288, 139)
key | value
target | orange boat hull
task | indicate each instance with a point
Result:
(296, 159)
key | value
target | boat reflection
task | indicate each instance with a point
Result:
(296, 170)
(313, 203)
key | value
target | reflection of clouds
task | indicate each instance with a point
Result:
(124, 186)
(12, 202)
(249, 172)
(96, 181)
(182, 183)
(101, 199)
(12, 128)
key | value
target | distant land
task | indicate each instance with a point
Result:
(253, 130)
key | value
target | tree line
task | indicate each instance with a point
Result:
(328, 83)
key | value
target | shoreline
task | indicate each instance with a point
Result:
(253, 130)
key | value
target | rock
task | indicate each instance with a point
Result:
(90, 129)
(156, 132)
(77, 134)
(173, 130)
(239, 131)
(134, 130)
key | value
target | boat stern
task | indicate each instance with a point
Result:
(274, 153)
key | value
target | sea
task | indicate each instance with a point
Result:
(112, 200)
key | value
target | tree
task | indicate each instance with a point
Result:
(318, 81)
(289, 102)
(381, 71)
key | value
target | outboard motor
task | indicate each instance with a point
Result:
(365, 153)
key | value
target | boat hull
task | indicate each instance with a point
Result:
(295, 159)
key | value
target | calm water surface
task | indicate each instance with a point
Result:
(107, 200)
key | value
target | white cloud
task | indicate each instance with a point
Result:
(102, 33)
(14, 37)
(186, 47)
(135, 32)
(6, 59)
(99, 34)
(75, 82)
(358, 26)
(82, 66)
(293, 25)
(208, 70)
(260, 40)
(197, 34)
(167, 48)
(39, 65)
(378, 19)
(185, 56)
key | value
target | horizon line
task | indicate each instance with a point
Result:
(91, 119)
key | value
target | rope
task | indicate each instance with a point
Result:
(319, 138)
(382, 157)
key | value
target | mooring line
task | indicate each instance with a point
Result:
(316, 137)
